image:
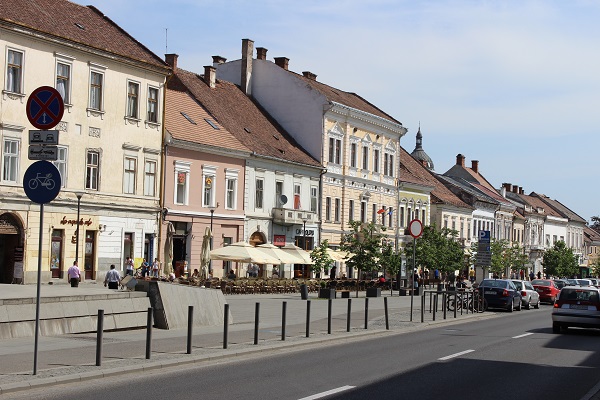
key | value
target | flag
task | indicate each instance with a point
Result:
(391, 211)
(381, 211)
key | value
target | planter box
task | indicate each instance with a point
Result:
(327, 293)
(374, 292)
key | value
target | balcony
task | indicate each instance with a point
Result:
(289, 217)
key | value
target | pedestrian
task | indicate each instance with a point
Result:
(112, 278)
(231, 275)
(128, 266)
(275, 272)
(155, 267)
(436, 274)
(531, 276)
(332, 272)
(74, 274)
(522, 274)
(539, 275)
(472, 275)
(145, 268)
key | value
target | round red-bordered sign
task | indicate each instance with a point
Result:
(415, 228)
(45, 107)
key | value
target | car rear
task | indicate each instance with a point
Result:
(498, 293)
(546, 288)
(576, 306)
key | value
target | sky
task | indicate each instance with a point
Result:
(512, 84)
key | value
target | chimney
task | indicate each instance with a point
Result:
(521, 191)
(503, 191)
(309, 75)
(171, 59)
(506, 186)
(460, 160)
(475, 166)
(261, 53)
(218, 60)
(282, 62)
(247, 51)
(210, 74)
(515, 189)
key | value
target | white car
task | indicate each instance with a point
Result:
(529, 296)
(576, 306)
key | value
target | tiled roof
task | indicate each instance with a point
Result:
(491, 193)
(81, 25)
(536, 202)
(241, 116)
(346, 98)
(415, 172)
(591, 234)
(198, 130)
(561, 208)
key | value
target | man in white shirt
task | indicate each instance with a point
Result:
(112, 278)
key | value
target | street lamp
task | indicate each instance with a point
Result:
(79, 196)
(304, 219)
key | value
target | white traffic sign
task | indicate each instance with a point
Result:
(43, 137)
(415, 228)
(47, 153)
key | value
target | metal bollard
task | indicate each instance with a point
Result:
(430, 302)
(307, 318)
(366, 312)
(149, 334)
(190, 329)
(225, 325)
(435, 306)
(444, 308)
(455, 304)
(99, 334)
(284, 307)
(256, 314)
(348, 317)
(423, 308)
(387, 320)
(329, 312)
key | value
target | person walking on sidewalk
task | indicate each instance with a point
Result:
(155, 266)
(112, 278)
(74, 274)
(128, 266)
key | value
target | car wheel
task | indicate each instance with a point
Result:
(528, 306)
(537, 305)
(520, 306)
(555, 327)
(552, 300)
(511, 307)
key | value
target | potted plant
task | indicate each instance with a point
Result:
(326, 292)
(322, 260)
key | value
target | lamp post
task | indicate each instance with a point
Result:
(304, 219)
(212, 213)
(79, 196)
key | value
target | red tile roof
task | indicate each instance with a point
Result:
(536, 202)
(244, 118)
(80, 25)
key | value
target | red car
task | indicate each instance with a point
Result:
(547, 289)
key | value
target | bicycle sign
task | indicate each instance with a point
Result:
(42, 182)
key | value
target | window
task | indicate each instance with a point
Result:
(328, 209)
(423, 216)
(462, 229)
(152, 105)
(10, 160)
(258, 199)
(14, 71)
(133, 90)
(313, 198)
(63, 81)
(363, 211)
(391, 219)
(365, 154)
(297, 190)
(181, 189)
(374, 213)
(61, 165)
(92, 170)
(336, 213)
(129, 175)
(376, 160)
(278, 193)
(150, 178)
(335, 150)
(351, 210)
(383, 215)
(353, 155)
(230, 185)
(401, 217)
(408, 215)
(388, 164)
(96, 82)
(209, 190)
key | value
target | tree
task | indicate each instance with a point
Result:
(595, 267)
(518, 258)
(364, 242)
(560, 261)
(595, 224)
(320, 257)
(390, 259)
(500, 260)
(436, 249)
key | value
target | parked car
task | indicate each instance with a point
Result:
(595, 282)
(501, 293)
(576, 306)
(584, 282)
(561, 283)
(572, 282)
(528, 294)
(547, 289)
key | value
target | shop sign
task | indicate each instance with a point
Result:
(308, 232)
(65, 221)
(279, 240)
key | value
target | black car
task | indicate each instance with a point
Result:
(501, 293)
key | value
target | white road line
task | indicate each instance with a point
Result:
(455, 355)
(523, 335)
(327, 393)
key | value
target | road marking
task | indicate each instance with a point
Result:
(523, 335)
(327, 393)
(455, 355)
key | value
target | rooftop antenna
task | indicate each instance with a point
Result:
(166, 40)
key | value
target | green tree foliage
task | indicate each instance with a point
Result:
(595, 267)
(560, 261)
(364, 241)
(595, 225)
(320, 257)
(501, 256)
(436, 249)
(390, 259)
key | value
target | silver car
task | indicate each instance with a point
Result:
(576, 306)
(529, 296)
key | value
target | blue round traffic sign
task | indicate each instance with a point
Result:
(42, 182)
(45, 107)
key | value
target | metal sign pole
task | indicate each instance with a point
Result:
(37, 299)
(412, 292)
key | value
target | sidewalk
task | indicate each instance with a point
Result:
(69, 358)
